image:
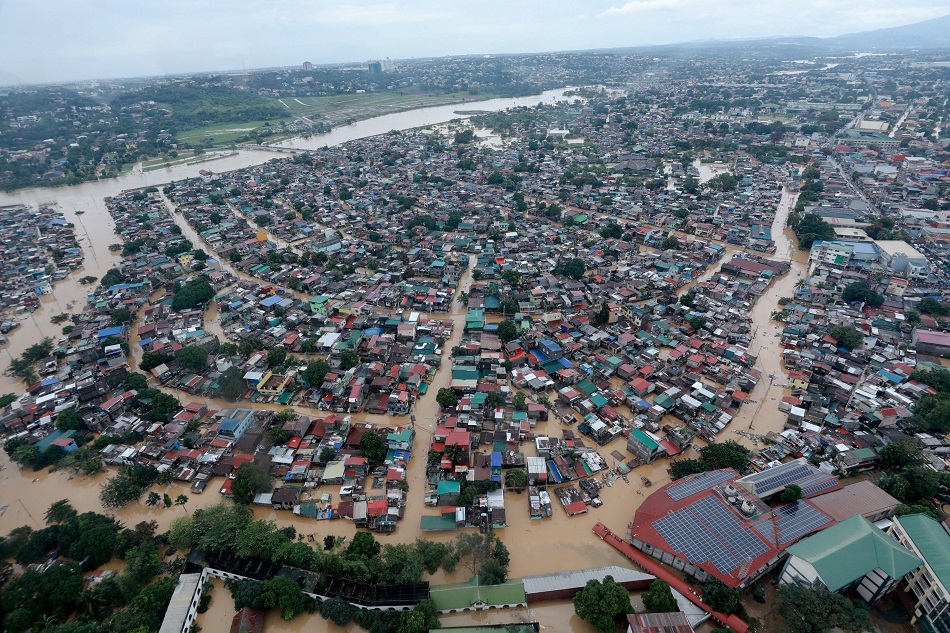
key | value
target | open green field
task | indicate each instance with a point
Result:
(222, 134)
(331, 111)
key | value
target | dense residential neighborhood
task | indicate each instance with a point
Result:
(704, 315)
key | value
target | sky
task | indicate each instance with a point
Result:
(44, 41)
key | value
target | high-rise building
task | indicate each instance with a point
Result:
(307, 66)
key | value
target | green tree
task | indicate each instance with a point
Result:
(659, 599)
(508, 307)
(904, 453)
(670, 243)
(231, 384)
(791, 493)
(939, 379)
(135, 382)
(816, 610)
(192, 357)
(348, 359)
(70, 420)
(192, 294)
(728, 454)
(182, 500)
(602, 604)
(519, 401)
(153, 499)
(684, 467)
(285, 594)
(507, 330)
(933, 307)
(847, 336)
(364, 546)
(932, 413)
(516, 479)
(447, 398)
(373, 446)
(720, 597)
(861, 292)
(249, 480)
(59, 512)
(276, 356)
(142, 563)
(315, 373)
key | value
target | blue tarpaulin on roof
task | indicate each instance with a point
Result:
(496, 460)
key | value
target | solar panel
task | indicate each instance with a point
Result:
(708, 531)
(768, 483)
(829, 482)
(793, 521)
(698, 484)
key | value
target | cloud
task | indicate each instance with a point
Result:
(646, 6)
(375, 14)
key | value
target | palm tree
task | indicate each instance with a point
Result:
(153, 499)
(455, 452)
(181, 500)
(801, 283)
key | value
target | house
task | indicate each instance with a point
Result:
(852, 555)
(285, 498)
(675, 622)
(644, 445)
(929, 585)
(248, 620)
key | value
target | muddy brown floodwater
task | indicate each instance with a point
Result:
(542, 546)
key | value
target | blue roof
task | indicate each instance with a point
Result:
(271, 301)
(110, 331)
(496, 460)
(565, 363)
(49, 381)
(541, 356)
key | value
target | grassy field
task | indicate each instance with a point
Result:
(222, 134)
(331, 111)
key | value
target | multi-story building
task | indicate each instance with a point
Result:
(930, 584)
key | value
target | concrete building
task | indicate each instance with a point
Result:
(862, 498)
(644, 445)
(930, 584)
(853, 554)
(932, 342)
(900, 257)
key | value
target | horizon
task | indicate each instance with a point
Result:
(136, 42)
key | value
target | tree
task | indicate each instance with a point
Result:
(151, 360)
(250, 480)
(611, 231)
(602, 604)
(901, 454)
(286, 595)
(791, 494)
(167, 500)
(337, 611)
(720, 597)
(684, 467)
(507, 330)
(447, 398)
(153, 499)
(932, 413)
(492, 573)
(182, 500)
(135, 382)
(192, 357)
(194, 293)
(939, 379)
(59, 512)
(70, 420)
(348, 359)
(276, 356)
(697, 322)
(931, 306)
(573, 268)
(519, 401)
(728, 454)
(847, 336)
(373, 447)
(861, 292)
(315, 373)
(810, 228)
(659, 599)
(364, 546)
(507, 307)
(670, 243)
(814, 609)
(516, 479)
(231, 384)
(603, 315)
(142, 562)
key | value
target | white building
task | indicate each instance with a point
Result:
(929, 540)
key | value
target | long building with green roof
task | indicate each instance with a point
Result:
(930, 540)
(854, 554)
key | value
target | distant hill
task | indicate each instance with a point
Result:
(929, 34)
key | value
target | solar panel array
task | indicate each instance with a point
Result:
(698, 484)
(775, 478)
(794, 521)
(709, 531)
(817, 483)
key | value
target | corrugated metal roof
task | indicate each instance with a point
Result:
(578, 578)
(932, 541)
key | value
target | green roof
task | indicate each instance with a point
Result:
(463, 595)
(932, 541)
(644, 438)
(448, 487)
(442, 522)
(851, 549)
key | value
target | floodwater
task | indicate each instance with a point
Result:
(540, 546)
(83, 206)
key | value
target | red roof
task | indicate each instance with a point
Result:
(578, 507)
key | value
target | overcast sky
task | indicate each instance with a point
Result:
(62, 40)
